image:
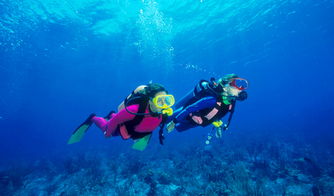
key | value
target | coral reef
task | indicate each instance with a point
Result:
(262, 167)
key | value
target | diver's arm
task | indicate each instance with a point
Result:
(121, 117)
(206, 102)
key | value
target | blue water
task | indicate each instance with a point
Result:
(62, 60)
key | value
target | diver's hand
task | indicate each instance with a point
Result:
(170, 126)
(197, 119)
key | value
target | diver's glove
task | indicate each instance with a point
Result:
(170, 126)
(218, 124)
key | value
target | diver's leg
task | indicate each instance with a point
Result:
(100, 122)
(110, 115)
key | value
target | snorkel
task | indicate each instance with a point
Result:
(167, 111)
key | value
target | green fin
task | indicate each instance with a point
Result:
(141, 143)
(78, 134)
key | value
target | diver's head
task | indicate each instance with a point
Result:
(232, 87)
(153, 88)
(159, 100)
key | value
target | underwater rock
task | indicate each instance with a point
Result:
(326, 185)
(299, 190)
(307, 165)
(167, 190)
(303, 178)
(315, 191)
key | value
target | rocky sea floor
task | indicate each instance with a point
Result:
(254, 168)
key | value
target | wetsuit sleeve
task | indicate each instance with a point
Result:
(122, 117)
(206, 102)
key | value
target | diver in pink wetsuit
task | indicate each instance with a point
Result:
(120, 123)
(147, 107)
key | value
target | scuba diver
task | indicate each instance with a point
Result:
(208, 103)
(147, 107)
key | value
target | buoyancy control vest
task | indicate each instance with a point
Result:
(204, 89)
(142, 100)
(210, 115)
(131, 125)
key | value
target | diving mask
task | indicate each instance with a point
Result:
(239, 83)
(163, 101)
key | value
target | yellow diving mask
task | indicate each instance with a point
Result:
(163, 101)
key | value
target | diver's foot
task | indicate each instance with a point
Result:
(89, 120)
(109, 115)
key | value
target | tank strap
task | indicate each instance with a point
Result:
(130, 125)
(161, 130)
(230, 117)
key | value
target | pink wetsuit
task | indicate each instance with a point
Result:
(115, 126)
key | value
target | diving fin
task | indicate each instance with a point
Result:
(79, 132)
(141, 143)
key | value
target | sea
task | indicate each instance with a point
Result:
(61, 60)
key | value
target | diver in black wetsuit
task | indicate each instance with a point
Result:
(208, 103)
